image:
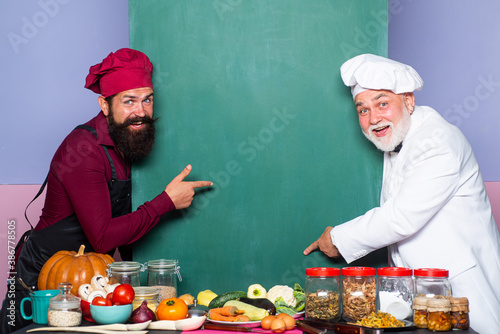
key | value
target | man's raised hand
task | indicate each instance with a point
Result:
(181, 192)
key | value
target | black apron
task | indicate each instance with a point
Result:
(66, 234)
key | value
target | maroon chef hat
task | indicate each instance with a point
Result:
(120, 71)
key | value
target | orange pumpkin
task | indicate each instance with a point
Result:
(75, 268)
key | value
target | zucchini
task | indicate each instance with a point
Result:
(264, 303)
(220, 300)
(254, 313)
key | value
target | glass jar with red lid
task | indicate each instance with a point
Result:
(395, 291)
(432, 283)
(359, 293)
(323, 300)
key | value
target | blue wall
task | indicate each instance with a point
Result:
(454, 45)
(47, 47)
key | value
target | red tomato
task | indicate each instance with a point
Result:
(101, 301)
(123, 294)
(109, 297)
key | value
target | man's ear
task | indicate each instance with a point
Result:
(409, 101)
(104, 105)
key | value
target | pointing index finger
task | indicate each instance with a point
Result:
(199, 184)
(312, 247)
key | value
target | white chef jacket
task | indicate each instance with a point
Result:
(434, 213)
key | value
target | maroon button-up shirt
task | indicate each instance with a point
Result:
(77, 183)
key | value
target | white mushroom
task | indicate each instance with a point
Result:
(110, 287)
(99, 282)
(95, 293)
(84, 290)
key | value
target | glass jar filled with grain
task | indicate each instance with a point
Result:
(323, 294)
(359, 293)
(420, 312)
(438, 315)
(163, 275)
(64, 309)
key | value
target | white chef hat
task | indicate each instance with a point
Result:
(368, 71)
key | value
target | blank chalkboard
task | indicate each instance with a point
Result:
(249, 93)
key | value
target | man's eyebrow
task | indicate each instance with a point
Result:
(135, 96)
(360, 103)
(379, 96)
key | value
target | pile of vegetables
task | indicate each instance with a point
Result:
(100, 292)
(274, 308)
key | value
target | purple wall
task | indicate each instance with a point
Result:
(454, 45)
(46, 49)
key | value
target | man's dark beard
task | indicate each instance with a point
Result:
(134, 145)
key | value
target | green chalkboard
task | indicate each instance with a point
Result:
(249, 93)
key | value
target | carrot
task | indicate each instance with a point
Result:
(227, 310)
(242, 318)
(214, 315)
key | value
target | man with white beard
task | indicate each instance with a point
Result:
(434, 210)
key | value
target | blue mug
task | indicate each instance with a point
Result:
(39, 305)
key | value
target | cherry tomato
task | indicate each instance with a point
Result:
(172, 309)
(101, 301)
(123, 294)
(109, 297)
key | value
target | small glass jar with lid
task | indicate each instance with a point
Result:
(459, 313)
(395, 291)
(432, 283)
(148, 294)
(322, 290)
(420, 312)
(359, 293)
(64, 309)
(438, 314)
(122, 272)
(163, 275)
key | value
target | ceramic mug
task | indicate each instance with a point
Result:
(39, 305)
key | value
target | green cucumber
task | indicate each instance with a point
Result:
(220, 300)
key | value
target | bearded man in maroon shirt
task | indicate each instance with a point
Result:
(88, 200)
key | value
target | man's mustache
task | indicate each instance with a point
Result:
(135, 120)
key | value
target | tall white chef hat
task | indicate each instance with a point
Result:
(368, 71)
